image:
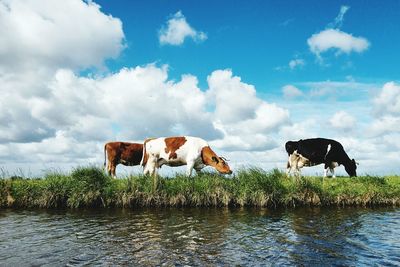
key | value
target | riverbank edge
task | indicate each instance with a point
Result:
(90, 187)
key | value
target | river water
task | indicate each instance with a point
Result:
(201, 237)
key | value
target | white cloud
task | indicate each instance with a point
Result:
(290, 91)
(233, 100)
(336, 39)
(332, 38)
(53, 34)
(248, 123)
(386, 111)
(341, 120)
(306, 128)
(384, 125)
(177, 30)
(296, 63)
(388, 101)
(39, 37)
(78, 112)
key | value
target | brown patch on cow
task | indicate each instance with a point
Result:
(129, 154)
(207, 154)
(172, 144)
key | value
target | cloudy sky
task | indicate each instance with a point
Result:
(245, 75)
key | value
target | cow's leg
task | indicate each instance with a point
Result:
(294, 168)
(298, 170)
(189, 168)
(151, 166)
(154, 172)
(296, 163)
(333, 172)
(154, 166)
(145, 170)
(108, 168)
(112, 170)
(288, 168)
(326, 167)
(292, 163)
(150, 169)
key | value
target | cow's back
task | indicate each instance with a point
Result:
(315, 149)
(192, 148)
(172, 149)
(131, 153)
(113, 150)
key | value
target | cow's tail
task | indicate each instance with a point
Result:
(105, 156)
(143, 161)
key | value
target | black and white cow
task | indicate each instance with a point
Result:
(315, 151)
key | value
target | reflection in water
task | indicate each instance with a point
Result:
(200, 236)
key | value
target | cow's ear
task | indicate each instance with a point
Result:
(215, 159)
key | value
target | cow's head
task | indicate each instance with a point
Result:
(219, 163)
(211, 159)
(351, 168)
(291, 146)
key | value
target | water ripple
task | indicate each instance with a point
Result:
(198, 237)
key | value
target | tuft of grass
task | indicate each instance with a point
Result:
(91, 187)
(87, 187)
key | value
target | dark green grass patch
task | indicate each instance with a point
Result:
(91, 187)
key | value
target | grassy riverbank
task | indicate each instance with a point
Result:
(90, 187)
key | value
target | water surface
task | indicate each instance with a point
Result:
(201, 236)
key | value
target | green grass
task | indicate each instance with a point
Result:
(91, 187)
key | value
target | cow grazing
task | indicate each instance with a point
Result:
(193, 152)
(128, 154)
(315, 151)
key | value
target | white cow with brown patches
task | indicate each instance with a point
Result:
(193, 152)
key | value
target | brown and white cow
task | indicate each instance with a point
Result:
(128, 154)
(177, 151)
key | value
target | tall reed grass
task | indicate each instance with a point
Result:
(91, 187)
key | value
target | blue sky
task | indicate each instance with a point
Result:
(254, 38)
(245, 75)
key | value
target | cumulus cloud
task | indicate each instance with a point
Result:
(53, 34)
(388, 100)
(248, 122)
(143, 102)
(341, 120)
(37, 39)
(386, 111)
(336, 40)
(299, 130)
(177, 30)
(332, 38)
(384, 125)
(233, 100)
(290, 91)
